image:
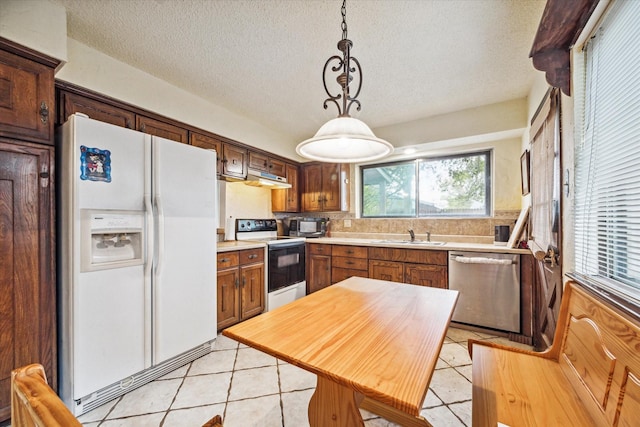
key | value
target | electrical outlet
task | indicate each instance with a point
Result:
(347, 223)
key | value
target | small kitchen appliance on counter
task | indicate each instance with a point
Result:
(308, 227)
(285, 260)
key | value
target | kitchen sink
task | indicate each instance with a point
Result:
(409, 242)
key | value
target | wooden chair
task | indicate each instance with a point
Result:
(35, 404)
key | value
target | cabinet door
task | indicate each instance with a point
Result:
(208, 143)
(319, 275)
(277, 167)
(234, 161)
(338, 274)
(27, 284)
(71, 103)
(287, 200)
(434, 276)
(26, 99)
(258, 161)
(312, 188)
(162, 129)
(386, 270)
(331, 187)
(252, 290)
(228, 298)
(293, 193)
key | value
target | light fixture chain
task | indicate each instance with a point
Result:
(349, 66)
(344, 19)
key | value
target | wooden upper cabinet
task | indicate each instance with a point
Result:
(325, 187)
(26, 98)
(262, 162)
(312, 188)
(162, 129)
(209, 143)
(234, 161)
(71, 103)
(287, 200)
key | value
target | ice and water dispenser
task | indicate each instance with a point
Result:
(111, 239)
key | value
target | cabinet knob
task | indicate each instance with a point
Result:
(44, 112)
(252, 256)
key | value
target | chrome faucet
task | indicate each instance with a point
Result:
(428, 236)
(412, 234)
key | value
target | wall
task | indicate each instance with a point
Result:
(94, 70)
(474, 124)
(245, 201)
(37, 24)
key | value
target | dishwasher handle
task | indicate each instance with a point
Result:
(482, 260)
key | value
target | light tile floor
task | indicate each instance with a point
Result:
(249, 388)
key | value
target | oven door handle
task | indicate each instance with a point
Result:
(286, 245)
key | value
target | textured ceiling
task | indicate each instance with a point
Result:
(263, 59)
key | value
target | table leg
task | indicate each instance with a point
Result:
(392, 414)
(333, 405)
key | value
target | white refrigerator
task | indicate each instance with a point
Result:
(137, 266)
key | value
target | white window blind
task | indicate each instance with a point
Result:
(607, 187)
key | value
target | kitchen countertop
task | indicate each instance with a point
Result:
(448, 246)
(235, 245)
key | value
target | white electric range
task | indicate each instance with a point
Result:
(285, 260)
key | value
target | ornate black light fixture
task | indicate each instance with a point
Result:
(344, 139)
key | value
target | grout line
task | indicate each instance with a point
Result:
(184, 377)
(280, 392)
(233, 371)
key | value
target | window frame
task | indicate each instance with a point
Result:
(488, 173)
(605, 279)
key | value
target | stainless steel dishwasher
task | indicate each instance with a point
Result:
(489, 286)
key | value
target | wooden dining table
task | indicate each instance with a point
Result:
(372, 344)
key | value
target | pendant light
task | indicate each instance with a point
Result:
(344, 139)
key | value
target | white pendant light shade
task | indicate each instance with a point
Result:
(344, 140)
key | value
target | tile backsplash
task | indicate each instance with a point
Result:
(479, 230)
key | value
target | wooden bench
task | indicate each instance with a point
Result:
(35, 404)
(590, 376)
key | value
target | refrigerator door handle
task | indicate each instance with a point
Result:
(160, 211)
(148, 211)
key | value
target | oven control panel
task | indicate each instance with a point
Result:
(248, 225)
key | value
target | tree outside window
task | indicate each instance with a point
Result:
(457, 185)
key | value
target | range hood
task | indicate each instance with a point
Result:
(259, 178)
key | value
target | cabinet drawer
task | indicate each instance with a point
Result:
(340, 274)
(250, 256)
(418, 256)
(319, 249)
(351, 263)
(227, 259)
(349, 251)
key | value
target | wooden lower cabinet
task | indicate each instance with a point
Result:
(348, 261)
(433, 276)
(240, 285)
(386, 270)
(318, 266)
(415, 266)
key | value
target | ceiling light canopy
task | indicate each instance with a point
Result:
(344, 139)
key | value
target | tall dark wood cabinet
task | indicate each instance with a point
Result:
(27, 246)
